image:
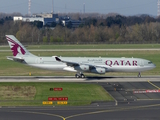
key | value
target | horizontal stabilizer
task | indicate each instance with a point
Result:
(17, 59)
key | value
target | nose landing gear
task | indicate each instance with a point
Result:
(139, 75)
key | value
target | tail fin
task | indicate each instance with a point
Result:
(17, 48)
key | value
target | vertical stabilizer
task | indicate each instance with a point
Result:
(17, 48)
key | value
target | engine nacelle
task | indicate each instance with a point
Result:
(99, 70)
(82, 68)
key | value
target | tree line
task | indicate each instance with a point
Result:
(112, 29)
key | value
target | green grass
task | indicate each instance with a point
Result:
(10, 68)
(96, 46)
(91, 46)
(78, 94)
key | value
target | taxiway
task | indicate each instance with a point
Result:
(128, 104)
(73, 79)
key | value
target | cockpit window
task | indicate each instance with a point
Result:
(149, 62)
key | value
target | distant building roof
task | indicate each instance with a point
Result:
(47, 15)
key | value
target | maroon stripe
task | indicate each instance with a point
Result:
(9, 39)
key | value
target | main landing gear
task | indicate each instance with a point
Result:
(139, 74)
(79, 75)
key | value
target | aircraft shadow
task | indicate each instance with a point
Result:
(94, 77)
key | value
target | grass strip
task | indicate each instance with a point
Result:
(90, 46)
(33, 94)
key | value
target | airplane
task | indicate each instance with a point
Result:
(79, 65)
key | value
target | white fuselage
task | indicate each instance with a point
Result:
(110, 64)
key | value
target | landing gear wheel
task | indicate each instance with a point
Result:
(77, 76)
(139, 75)
(82, 76)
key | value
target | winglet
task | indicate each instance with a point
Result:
(58, 59)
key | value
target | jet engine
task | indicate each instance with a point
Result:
(82, 68)
(99, 70)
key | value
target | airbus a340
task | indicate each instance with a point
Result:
(79, 65)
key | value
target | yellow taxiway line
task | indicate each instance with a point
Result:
(153, 85)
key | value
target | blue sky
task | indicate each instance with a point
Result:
(124, 7)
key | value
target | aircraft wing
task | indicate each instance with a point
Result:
(84, 67)
(17, 59)
(73, 64)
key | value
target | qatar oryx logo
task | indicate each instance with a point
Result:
(15, 47)
(121, 63)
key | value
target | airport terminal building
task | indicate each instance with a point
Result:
(47, 19)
